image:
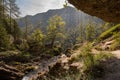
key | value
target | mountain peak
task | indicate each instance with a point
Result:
(70, 15)
(67, 8)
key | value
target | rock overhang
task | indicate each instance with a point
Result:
(108, 10)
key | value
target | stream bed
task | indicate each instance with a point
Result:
(43, 68)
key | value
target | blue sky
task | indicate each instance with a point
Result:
(32, 7)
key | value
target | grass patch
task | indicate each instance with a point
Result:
(110, 32)
(92, 67)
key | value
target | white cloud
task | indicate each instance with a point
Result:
(32, 7)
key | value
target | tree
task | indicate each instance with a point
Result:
(4, 38)
(16, 32)
(55, 29)
(13, 11)
(8, 8)
(90, 32)
(2, 8)
(26, 28)
(73, 34)
(13, 8)
(8, 26)
(38, 36)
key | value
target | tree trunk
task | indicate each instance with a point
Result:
(52, 42)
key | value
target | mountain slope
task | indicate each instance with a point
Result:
(70, 15)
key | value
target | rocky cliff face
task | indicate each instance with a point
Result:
(70, 15)
(108, 10)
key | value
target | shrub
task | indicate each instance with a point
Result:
(92, 67)
(77, 46)
(55, 51)
(116, 44)
(24, 57)
(102, 56)
(23, 46)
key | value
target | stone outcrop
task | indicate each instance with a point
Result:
(108, 10)
(9, 73)
(53, 65)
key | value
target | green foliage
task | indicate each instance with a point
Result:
(26, 55)
(12, 29)
(115, 46)
(4, 38)
(24, 46)
(8, 37)
(102, 56)
(57, 50)
(82, 33)
(23, 57)
(13, 8)
(90, 32)
(55, 30)
(38, 36)
(16, 31)
(77, 46)
(54, 51)
(73, 36)
(110, 32)
(1, 8)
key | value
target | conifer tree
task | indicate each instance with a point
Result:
(4, 38)
(38, 36)
(55, 30)
(90, 32)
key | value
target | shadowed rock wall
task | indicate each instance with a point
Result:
(108, 10)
